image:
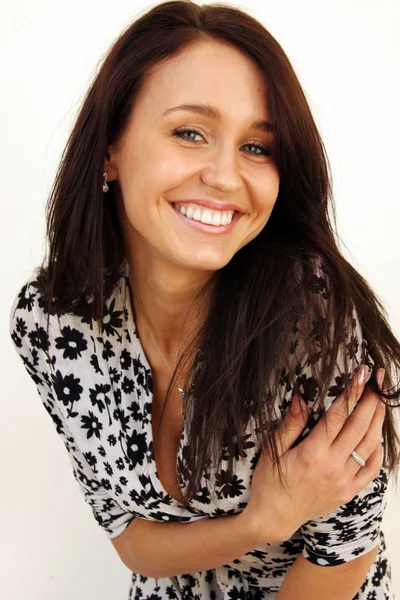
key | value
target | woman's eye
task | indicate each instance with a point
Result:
(264, 149)
(185, 133)
(182, 131)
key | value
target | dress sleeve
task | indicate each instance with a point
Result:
(352, 529)
(28, 339)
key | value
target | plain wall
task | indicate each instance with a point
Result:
(346, 54)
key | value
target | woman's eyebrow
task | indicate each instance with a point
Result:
(205, 110)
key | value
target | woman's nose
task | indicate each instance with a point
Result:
(222, 170)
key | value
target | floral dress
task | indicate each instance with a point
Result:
(97, 388)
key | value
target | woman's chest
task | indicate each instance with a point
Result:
(167, 424)
(136, 448)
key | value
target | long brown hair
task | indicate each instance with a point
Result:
(267, 291)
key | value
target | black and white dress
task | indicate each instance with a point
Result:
(97, 388)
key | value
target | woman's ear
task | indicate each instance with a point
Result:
(110, 165)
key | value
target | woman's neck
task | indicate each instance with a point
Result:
(164, 300)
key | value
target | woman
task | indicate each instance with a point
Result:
(189, 370)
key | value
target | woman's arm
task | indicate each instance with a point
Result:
(307, 581)
(159, 549)
(166, 549)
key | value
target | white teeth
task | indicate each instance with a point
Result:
(216, 220)
(206, 217)
(210, 217)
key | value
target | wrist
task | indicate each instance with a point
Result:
(268, 530)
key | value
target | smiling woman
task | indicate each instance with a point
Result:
(207, 374)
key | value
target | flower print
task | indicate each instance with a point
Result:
(142, 375)
(315, 334)
(285, 379)
(229, 488)
(72, 342)
(108, 350)
(16, 339)
(353, 346)
(134, 408)
(25, 301)
(381, 568)
(20, 327)
(309, 385)
(108, 468)
(247, 444)
(38, 338)
(203, 496)
(359, 550)
(99, 398)
(106, 483)
(147, 408)
(321, 538)
(114, 322)
(94, 361)
(125, 359)
(112, 440)
(137, 448)
(119, 415)
(209, 575)
(101, 450)
(219, 512)
(119, 463)
(127, 385)
(100, 462)
(148, 487)
(292, 547)
(91, 460)
(92, 424)
(114, 374)
(171, 593)
(57, 421)
(67, 389)
(236, 593)
(336, 390)
(117, 396)
(318, 285)
(161, 516)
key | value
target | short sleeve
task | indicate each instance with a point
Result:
(352, 529)
(29, 339)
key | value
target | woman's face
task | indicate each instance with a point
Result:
(211, 166)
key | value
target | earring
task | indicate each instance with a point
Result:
(105, 186)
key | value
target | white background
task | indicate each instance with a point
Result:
(346, 54)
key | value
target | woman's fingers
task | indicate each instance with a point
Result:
(368, 444)
(291, 426)
(363, 429)
(371, 470)
(329, 426)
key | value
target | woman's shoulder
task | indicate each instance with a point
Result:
(31, 318)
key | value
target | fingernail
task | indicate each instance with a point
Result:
(380, 374)
(362, 374)
(295, 406)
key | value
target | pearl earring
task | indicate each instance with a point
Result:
(105, 186)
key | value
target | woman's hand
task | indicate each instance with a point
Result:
(320, 474)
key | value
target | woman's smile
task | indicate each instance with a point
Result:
(206, 220)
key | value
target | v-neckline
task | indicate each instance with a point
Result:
(133, 332)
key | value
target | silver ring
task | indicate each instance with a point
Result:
(358, 458)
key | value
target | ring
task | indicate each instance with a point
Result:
(358, 458)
